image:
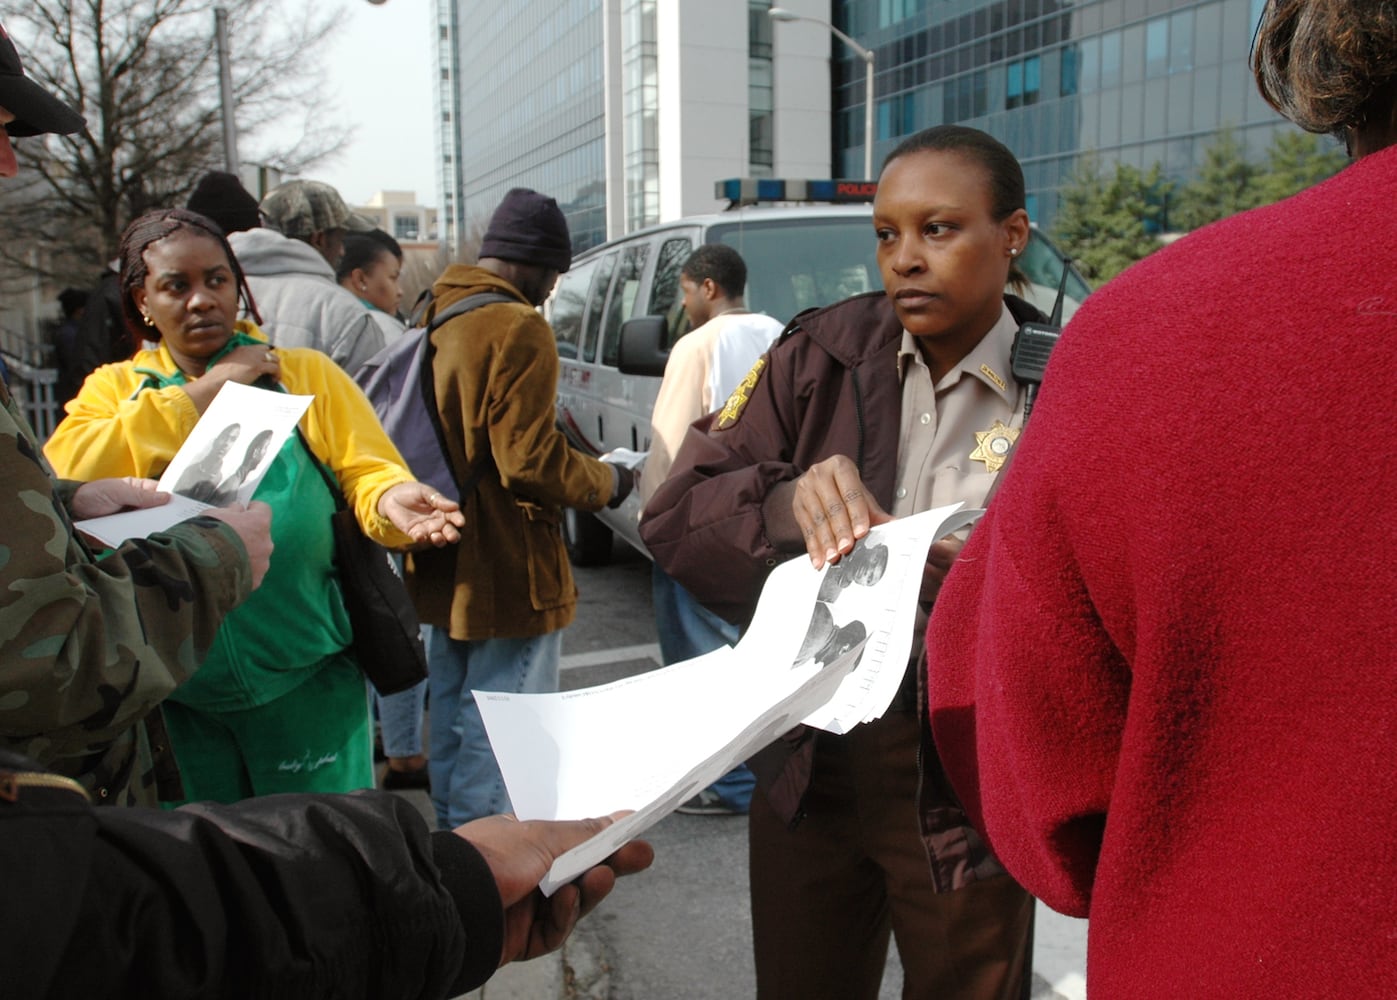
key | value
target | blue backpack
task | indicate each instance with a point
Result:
(398, 382)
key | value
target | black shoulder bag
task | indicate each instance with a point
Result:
(386, 644)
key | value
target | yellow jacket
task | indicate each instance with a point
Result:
(113, 430)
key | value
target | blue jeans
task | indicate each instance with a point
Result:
(687, 629)
(400, 720)
(465, 778)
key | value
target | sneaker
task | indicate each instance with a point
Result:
(708, 803)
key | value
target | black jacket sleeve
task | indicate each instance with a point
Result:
(102, 336)
(300, 896)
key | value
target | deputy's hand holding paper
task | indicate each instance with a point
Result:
(649, 742)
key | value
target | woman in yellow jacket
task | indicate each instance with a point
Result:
(279, 704)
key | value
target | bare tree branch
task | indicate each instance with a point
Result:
(145, 75)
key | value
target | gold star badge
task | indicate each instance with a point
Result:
(993, 446)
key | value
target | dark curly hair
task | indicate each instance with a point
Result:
(1328, 65)
(152, 227)
(364, 249)
(722, 264)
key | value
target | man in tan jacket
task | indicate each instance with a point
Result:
(497, 603)
(703, 369)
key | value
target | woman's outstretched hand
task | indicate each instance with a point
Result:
(423, 514)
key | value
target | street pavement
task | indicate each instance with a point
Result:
(682, 930)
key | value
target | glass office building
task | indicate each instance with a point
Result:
(626, 111)
(537, 82)
(1136, 81)
(531, 109)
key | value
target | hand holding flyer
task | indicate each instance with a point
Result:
(221, 462)
(649, 742)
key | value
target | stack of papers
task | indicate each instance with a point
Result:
(648, 743)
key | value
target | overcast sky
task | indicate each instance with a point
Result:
(379, 71)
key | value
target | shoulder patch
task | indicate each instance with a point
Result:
(737, 402)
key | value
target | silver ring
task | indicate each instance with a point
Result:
(271, 356)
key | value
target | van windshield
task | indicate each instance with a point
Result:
(798, 263)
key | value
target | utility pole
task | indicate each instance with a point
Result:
(225, 90)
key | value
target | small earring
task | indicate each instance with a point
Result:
(1013, 251)
(363, 287)
(148, 320)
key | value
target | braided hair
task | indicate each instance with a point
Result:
(152, 227)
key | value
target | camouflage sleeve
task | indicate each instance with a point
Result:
(89, 646)
(63, 490)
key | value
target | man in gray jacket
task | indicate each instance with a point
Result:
(291, 268)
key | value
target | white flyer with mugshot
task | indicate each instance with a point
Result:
(826, 647)
(221, 462)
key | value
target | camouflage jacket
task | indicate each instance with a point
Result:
(89, 646)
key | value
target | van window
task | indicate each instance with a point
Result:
(1042, 265)
(665, 297)
(798, 263)
(596, 301)
(621, 306)
(566, 313)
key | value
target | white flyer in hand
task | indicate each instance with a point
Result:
(818, 648)
(222, 461)
(625, 456)
(873, 591)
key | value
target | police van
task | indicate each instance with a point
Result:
(619, 309)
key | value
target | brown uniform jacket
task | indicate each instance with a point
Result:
(830, 387)
(496, 380)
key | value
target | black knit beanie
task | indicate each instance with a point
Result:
(221, 197)
(529, 228)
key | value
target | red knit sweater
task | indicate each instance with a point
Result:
(1163, 674)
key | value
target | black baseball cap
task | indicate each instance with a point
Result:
(36, 110)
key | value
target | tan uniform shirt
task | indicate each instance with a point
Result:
(940, 423)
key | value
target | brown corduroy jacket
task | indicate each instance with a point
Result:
(496, 380)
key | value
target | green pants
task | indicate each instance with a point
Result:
(315, 738)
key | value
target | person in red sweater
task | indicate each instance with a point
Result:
(1162, 670)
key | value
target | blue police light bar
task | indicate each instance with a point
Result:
(768, 190)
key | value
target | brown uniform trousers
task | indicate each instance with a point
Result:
(826, 895)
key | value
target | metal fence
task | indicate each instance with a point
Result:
(33, 381)
(35, 390)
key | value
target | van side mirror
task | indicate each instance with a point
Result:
(642, 346)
